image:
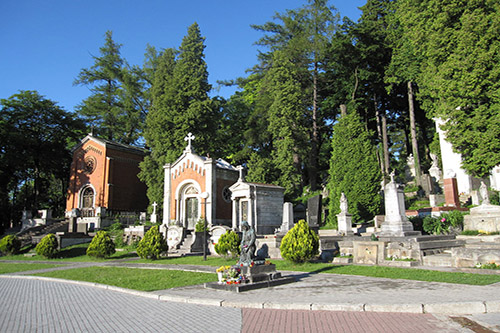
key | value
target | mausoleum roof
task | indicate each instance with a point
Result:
(111, 144)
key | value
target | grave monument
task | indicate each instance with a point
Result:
(396, 224)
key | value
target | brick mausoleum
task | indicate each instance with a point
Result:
(104, 175)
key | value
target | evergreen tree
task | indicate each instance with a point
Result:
(286, 124)
(157, 121)
(187, 103)
(180, 104)
(116, 108)
(303, 34)
(353, 170)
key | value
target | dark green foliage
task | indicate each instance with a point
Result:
(354, 170)
(180, 104)
(300, 244)
(47, 246)
(228, 244)
(32, 128)
(102, 246)
(9, 245)
(152, 245)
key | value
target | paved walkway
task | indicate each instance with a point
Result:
(342, 304)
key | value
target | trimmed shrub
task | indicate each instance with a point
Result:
(48, 246)
(229, 243)
(102, 246)
(10, 244)
(300, 244)
(152, 245)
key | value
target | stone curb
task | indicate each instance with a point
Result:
(455, 308)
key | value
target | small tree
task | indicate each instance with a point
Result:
(228, 243)
(102, 246)
(300, 244)
(10, 244)
(152, 245)
(48, 246)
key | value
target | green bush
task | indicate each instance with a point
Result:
(229, 243)
(200, 226)
(152, 245)
(300, 244)
(102, 246)
(47, 247)
(10, 244)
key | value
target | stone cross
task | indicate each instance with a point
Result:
(240, 168)
(154, 207)
(392, 176)
(189, 138)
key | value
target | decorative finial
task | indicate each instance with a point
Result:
(392, 174)
(189, 138)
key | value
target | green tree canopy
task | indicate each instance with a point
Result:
(117, 106)
(353, 170)
(35, 135)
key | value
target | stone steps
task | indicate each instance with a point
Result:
(438, 260)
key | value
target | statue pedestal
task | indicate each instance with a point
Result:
(256, 277)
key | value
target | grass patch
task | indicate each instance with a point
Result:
(21, 267)
(133, 278)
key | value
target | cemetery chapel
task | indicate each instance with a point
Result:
(197, 187)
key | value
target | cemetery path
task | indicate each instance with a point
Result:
(32, 304)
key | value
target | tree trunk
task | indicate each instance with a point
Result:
(413, 132)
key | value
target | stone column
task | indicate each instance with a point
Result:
(167, 194)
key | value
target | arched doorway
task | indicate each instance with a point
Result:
(87, 200)
(189, 206)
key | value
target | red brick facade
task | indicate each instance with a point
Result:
(108, 171)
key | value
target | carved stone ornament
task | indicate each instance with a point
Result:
(89, 164)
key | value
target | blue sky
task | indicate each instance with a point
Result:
(46, 43)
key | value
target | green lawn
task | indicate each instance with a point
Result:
(15, 267)
(132, 278)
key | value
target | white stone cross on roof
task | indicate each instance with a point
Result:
(189, 138)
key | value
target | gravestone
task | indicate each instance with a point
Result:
(142, 217)
(451, 196)
(314, 212)
(154, 216)
(396, 224)
(215, 233)
(287, 222)
(175, 235)
(344, 219)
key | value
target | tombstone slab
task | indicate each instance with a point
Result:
(396, 224)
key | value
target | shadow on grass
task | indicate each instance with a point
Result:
(303, 275)
(73, 252)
